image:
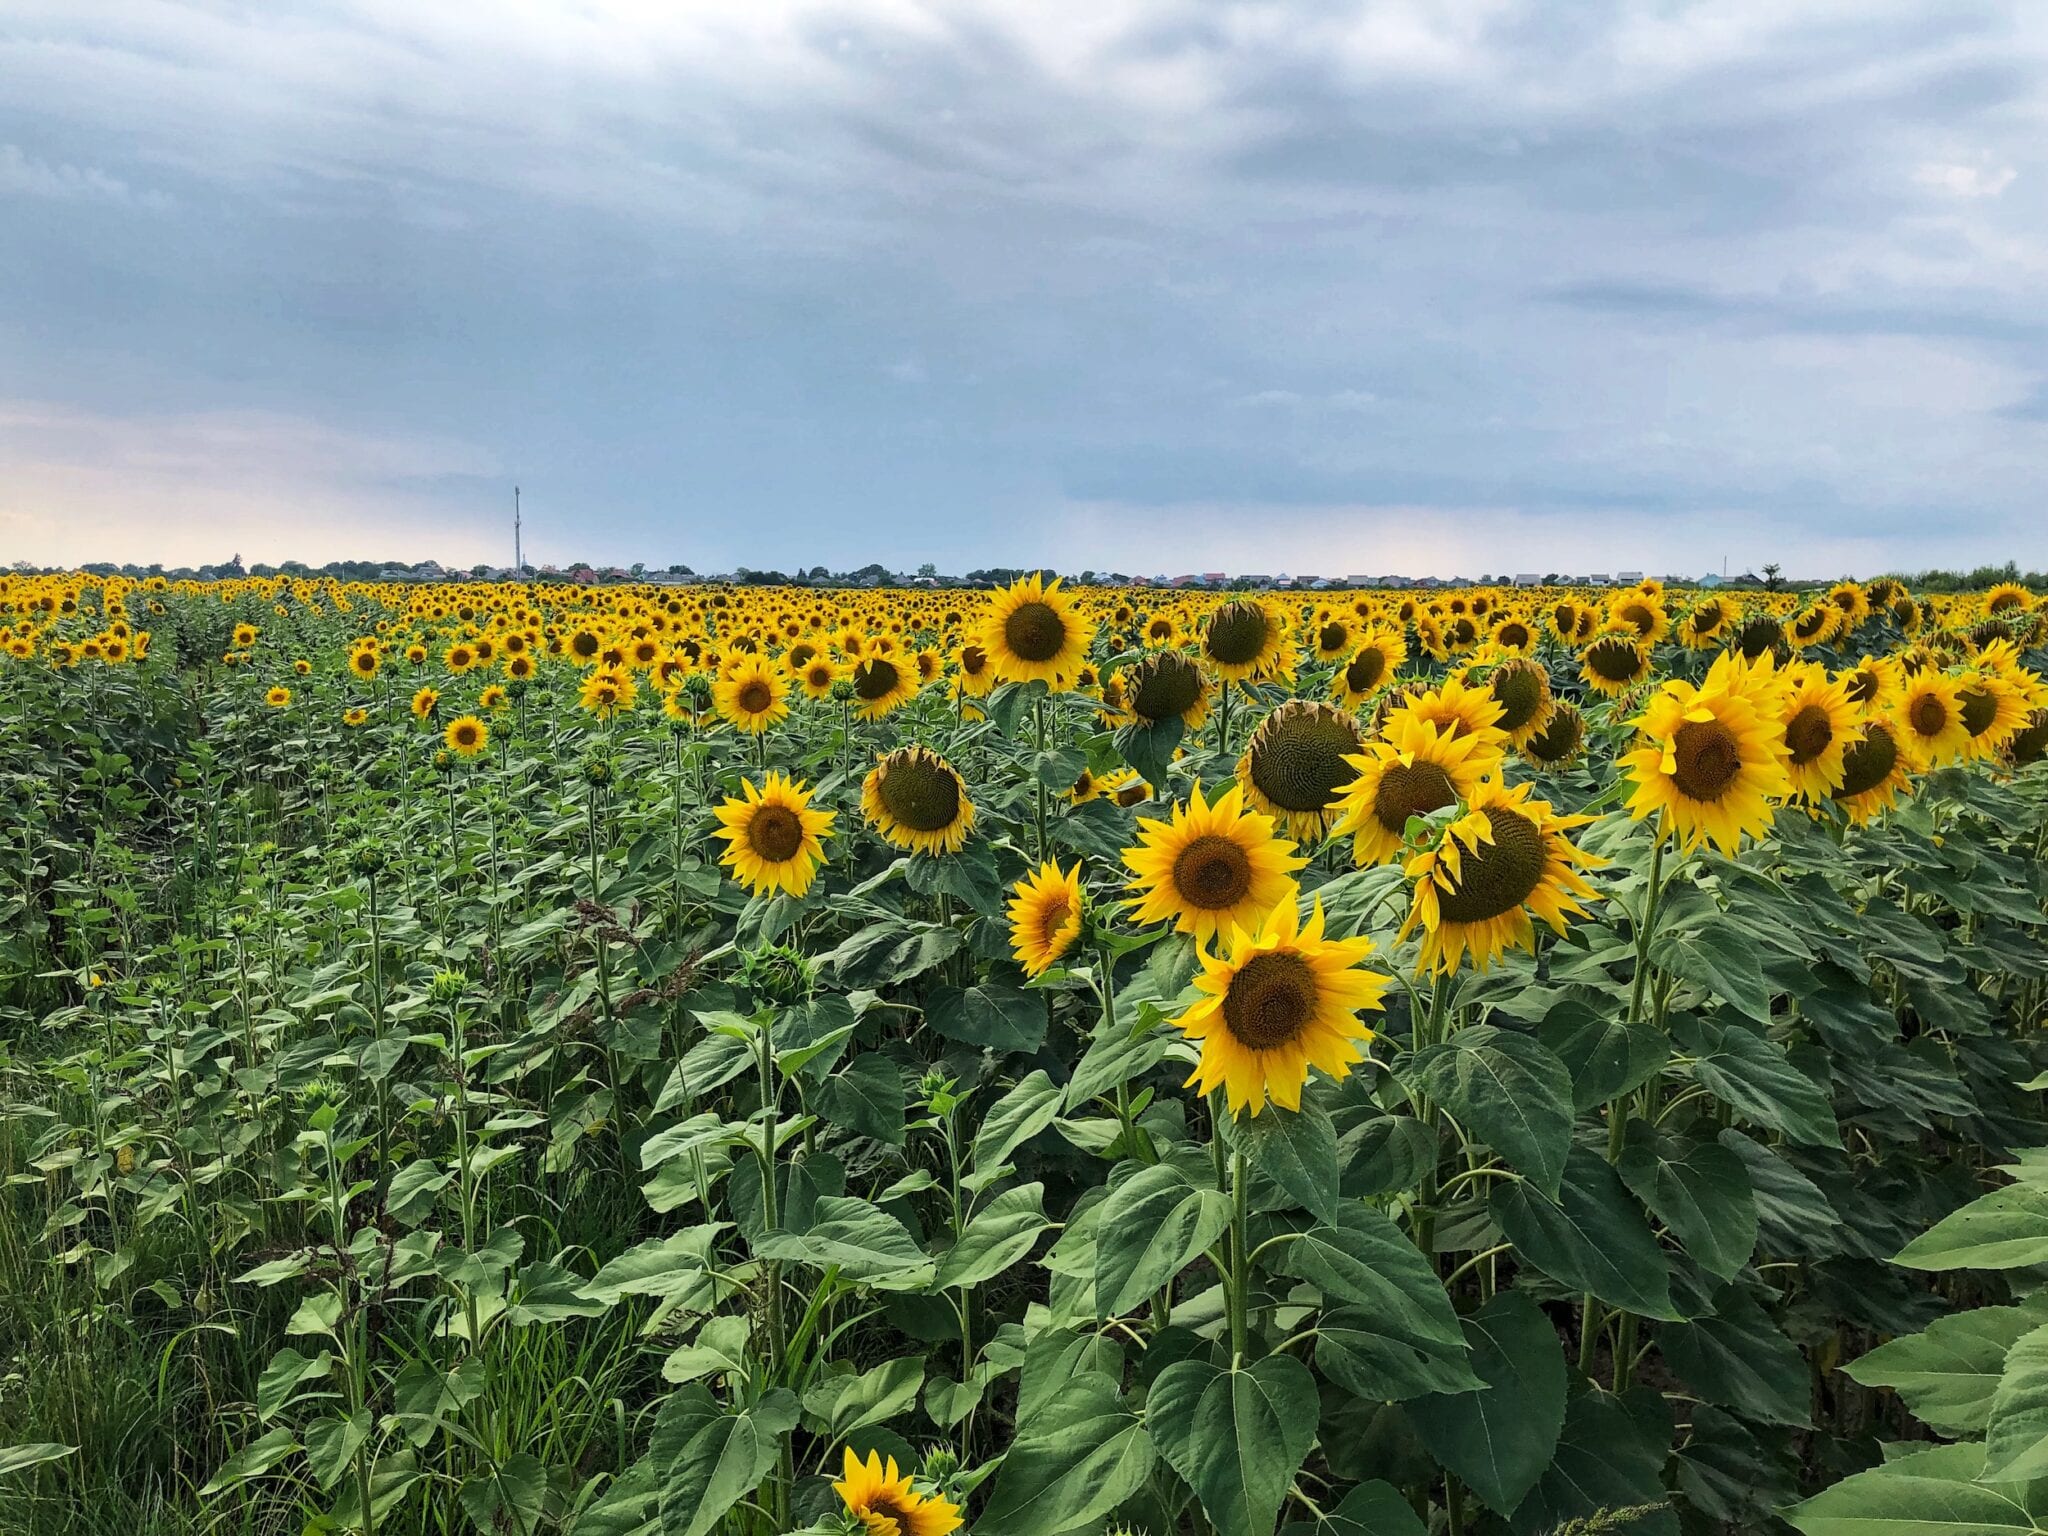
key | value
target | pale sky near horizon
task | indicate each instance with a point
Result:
(1155, 285)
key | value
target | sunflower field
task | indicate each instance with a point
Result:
(702, 1061)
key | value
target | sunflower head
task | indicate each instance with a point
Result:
(1522, 689)
(884, 1502)
(1033, 631)
(775, 840)
(1713, 761)
(1615, 662)
(1874, 772)
(915, 800)
(1296, 763)
(466, 735)
(1930, 720)
(752, 696)
(1045, 916)
(881, 685)
(1209, 866)
(1246, 638)
(1561, 740)
(1167, 685)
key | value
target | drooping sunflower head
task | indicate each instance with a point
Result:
(1033, 631)
(881, 685)
(1477, 886)
(915, 800)
(1283, 999)
(1209, 866)
(1045, 916)
(1521, 687)
(1296, 763)
(1561, 740)
(1759, 635)
(2029, 744)
(1875, 771)
(885, 1503)
(1713, 759)
(1167, 685)
(1615, 662)
(466, 735)
(775, 841)
(1416, 770)
(1246, 638)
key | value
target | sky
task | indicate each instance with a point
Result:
(1397, 286)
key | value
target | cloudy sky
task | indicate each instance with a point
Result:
(1157, 285)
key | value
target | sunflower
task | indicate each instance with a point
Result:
(364, 663)
(1161, 632)
(1641, 612)
(816, 675)
(1247, 638)
(1817, 626)
(1875, 771)
(1561, 740)
(882, 685)
(1821, 723)
(245, 636)
(1418, 768)
(1706, 619)
(1331, 637)
(424, 703)
(1994, 708)
(915, 800)
(606, 693)
(459, 657)
(1284, 999)
(1035, 632)
(2029, 744)
(753, 696)
(1501, 863)
(1296, 763)
(1759, 635)
(1614, 663)
(1522, 689)
(882, 1500)
(1166, 685)
(466, 735)
(1380, 653)
(1930, 717)
(1715, 758)
(2008, 597)
(493, 697)
(1874, 684)
(1045, 916)
(776, 840)
(354, 717)
(1210, 866)
(278, 697)
(973, 677)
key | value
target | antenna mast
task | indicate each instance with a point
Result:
(518, 556)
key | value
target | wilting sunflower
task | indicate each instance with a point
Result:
(1166, 685)
(883, 1501)
(882, 685)
(1415, 770)
(1522, 689)
(1045, 916)
(466, 735)
(1714, 760)
(1614, 663)
(1380, 653)
(753, 696)
(1284, 999)
(1561, 740)
(1875, 772)
(1296, 763)
(1210, 866)
(424, 703)
(1507, 859)
(1930, 718)
(1035, 632)
(278, 697)
(1821, 724)
(775, 840)
(1246, 638)
(915, 800)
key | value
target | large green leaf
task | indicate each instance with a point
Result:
(1500, 1438)
(1723, 962)
(1605, 1462)
(1605, 1056)
(1948, 1372)
(2016, 1439)
(866, 1095)
(1371, 1509)
(989, 1014)
(1925, 1493)
(1073, 1462)
(1509, 1090)
(1014, 1119)
(1236, 1436)
(1297, 1150)
(1592, 1238)
(1153, 1225)
(506, 1499)
(34, 1453)
(997, 1237)
(708, 1458)
(859, 1239)
(1393, 1333)
(1754, 1077)
(2006, 1229)
(1735, 1356)
(1699, 1189)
